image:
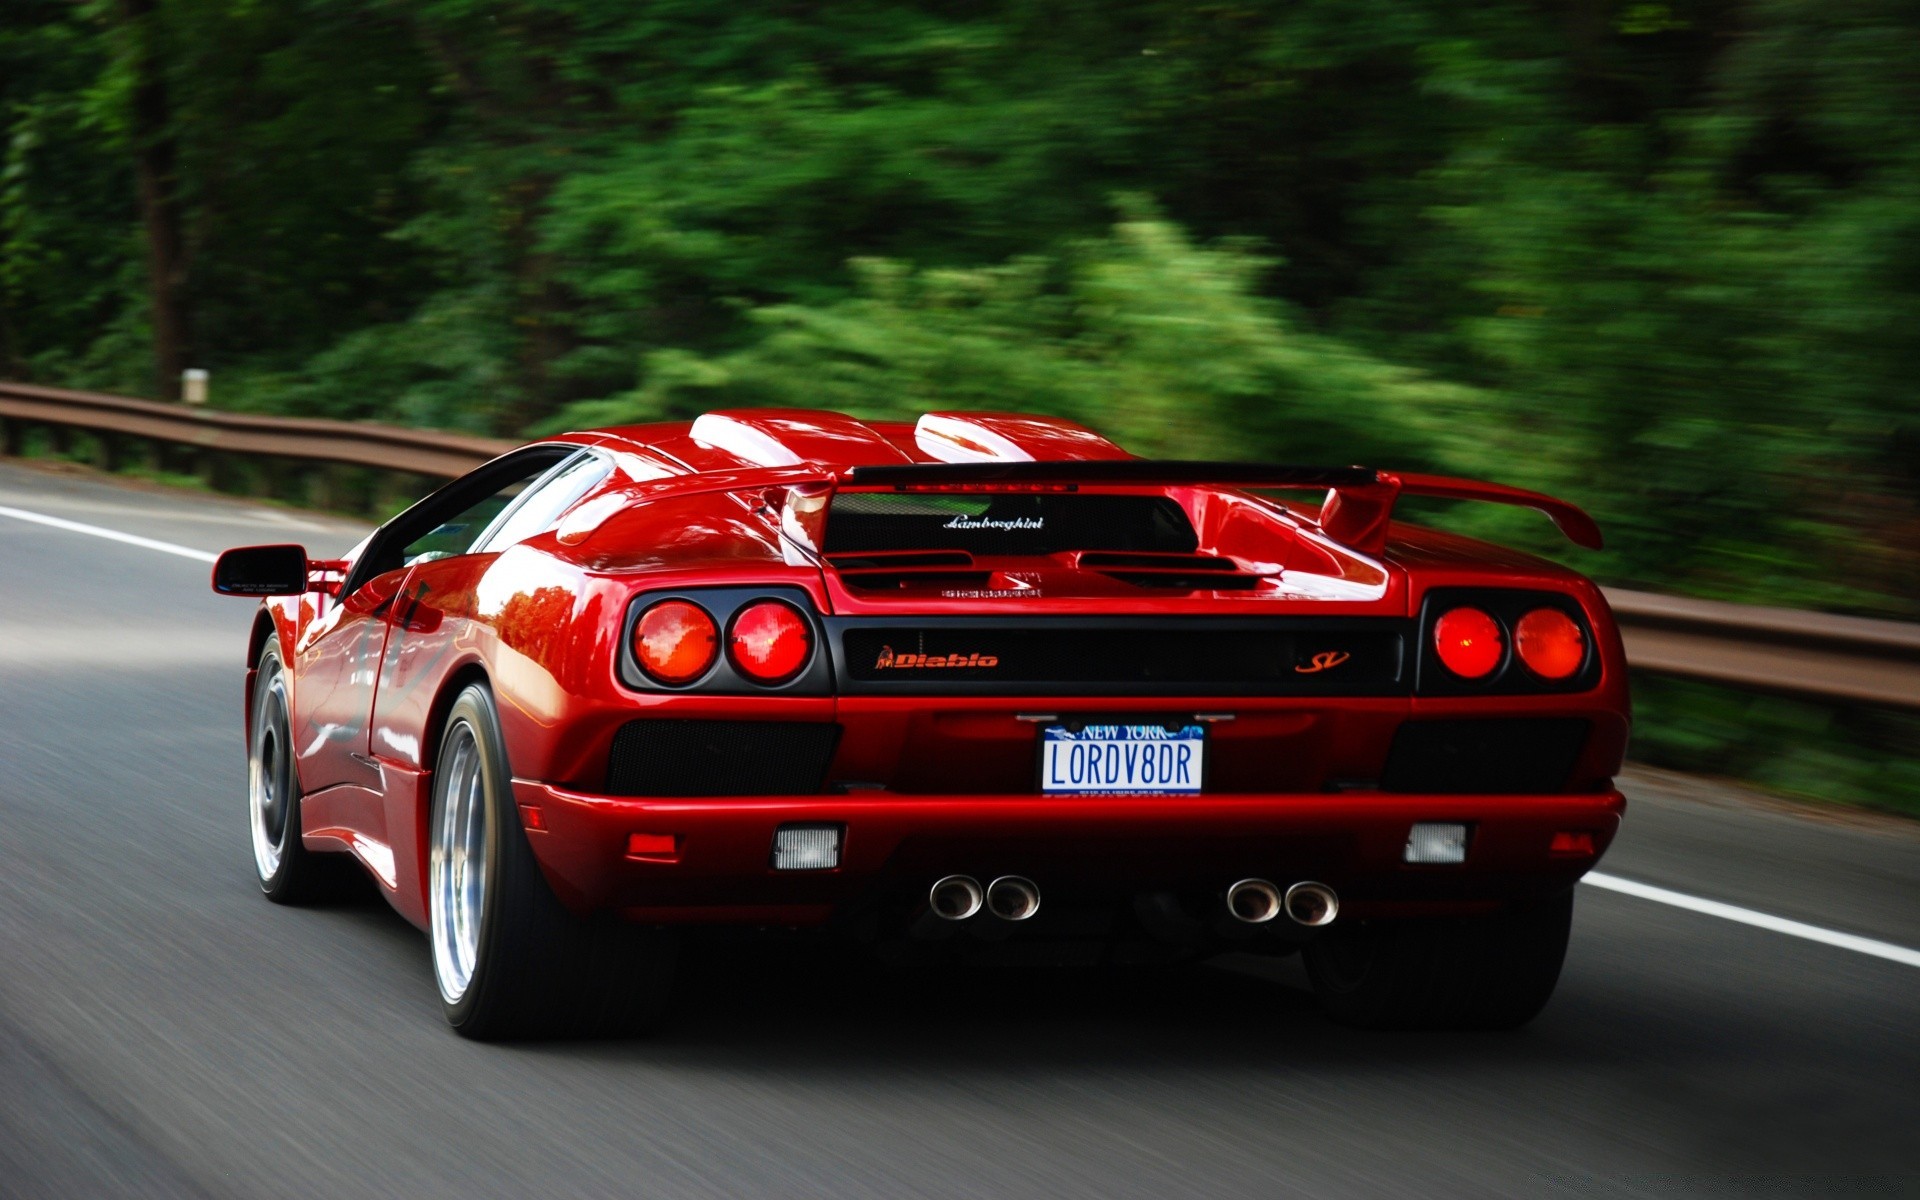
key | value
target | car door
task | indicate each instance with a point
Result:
(337, 661)
(436, 601)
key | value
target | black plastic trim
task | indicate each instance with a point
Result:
(948, 681)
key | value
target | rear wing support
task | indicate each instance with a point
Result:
(1359, 517)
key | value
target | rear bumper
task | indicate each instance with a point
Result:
(895, 845)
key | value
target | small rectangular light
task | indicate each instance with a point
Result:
(1571, 844)
(1433, 843)
(806, 847)
(652, 845)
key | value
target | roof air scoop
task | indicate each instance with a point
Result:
(1007, 437)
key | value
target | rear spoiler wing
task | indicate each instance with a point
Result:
(1357, 512)
(1358, 508)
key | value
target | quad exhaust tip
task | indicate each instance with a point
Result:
(1254, 901)
(1312, 904)
(956, 898)
(1012, 898)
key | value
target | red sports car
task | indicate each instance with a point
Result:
(979, 684)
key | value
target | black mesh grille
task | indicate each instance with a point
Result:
(1498, 757)
(720, 758)
(1300, 659)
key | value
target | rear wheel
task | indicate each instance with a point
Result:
(288, 872)
(1493, 972)
(509, 959)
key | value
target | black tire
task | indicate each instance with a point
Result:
(288, 872)
(1492, 972)
(530, 969)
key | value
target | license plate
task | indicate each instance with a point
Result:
(1122, 760)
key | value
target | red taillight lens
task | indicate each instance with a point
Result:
(1550, 643)
(769, 642)
(1469, 642)
(675, 641)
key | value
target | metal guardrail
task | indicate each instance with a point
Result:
(347, 443)
(1783, 650)
(1847, 659)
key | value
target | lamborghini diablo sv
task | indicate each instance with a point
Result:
(977, 684)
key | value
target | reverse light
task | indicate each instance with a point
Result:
(1430, 842)
(806, 847)
(1469, 642)
(769, 642)
(675, 641)
(1550, 643)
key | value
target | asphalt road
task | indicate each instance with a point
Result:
(166, 1032)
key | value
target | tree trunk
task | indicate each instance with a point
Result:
(157, 173)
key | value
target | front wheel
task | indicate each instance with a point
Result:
(1492, 972)
(509, 959)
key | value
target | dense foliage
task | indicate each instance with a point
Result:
(1662, 258)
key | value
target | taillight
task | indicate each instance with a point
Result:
(675, 641)
(769, 642)
(1469, 642)
(1550, 643)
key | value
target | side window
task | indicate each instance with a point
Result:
(545, 501)
(453, 520)
(458, 533)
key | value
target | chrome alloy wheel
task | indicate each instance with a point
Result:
(270, 777)
(457, 868)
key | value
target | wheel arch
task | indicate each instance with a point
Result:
(457, 681)
(264, 629)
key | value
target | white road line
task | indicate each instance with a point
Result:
(1759, 920)
(112, 535)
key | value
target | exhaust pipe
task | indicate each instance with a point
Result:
(955, 898)
(1312, 904)
(1254, 901)
(1012, 898)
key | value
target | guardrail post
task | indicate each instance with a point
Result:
(12, 437)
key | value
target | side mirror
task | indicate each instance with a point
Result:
(261, 571)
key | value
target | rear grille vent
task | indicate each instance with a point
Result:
(870, 581)
(1185, 581)
(881, 571)
(905, 561)
(656, 757)
(1172, 572)
(1099, 560)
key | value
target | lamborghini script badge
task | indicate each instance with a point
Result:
(888, 660)
(1324, 660)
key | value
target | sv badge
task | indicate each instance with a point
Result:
(1325, 660)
